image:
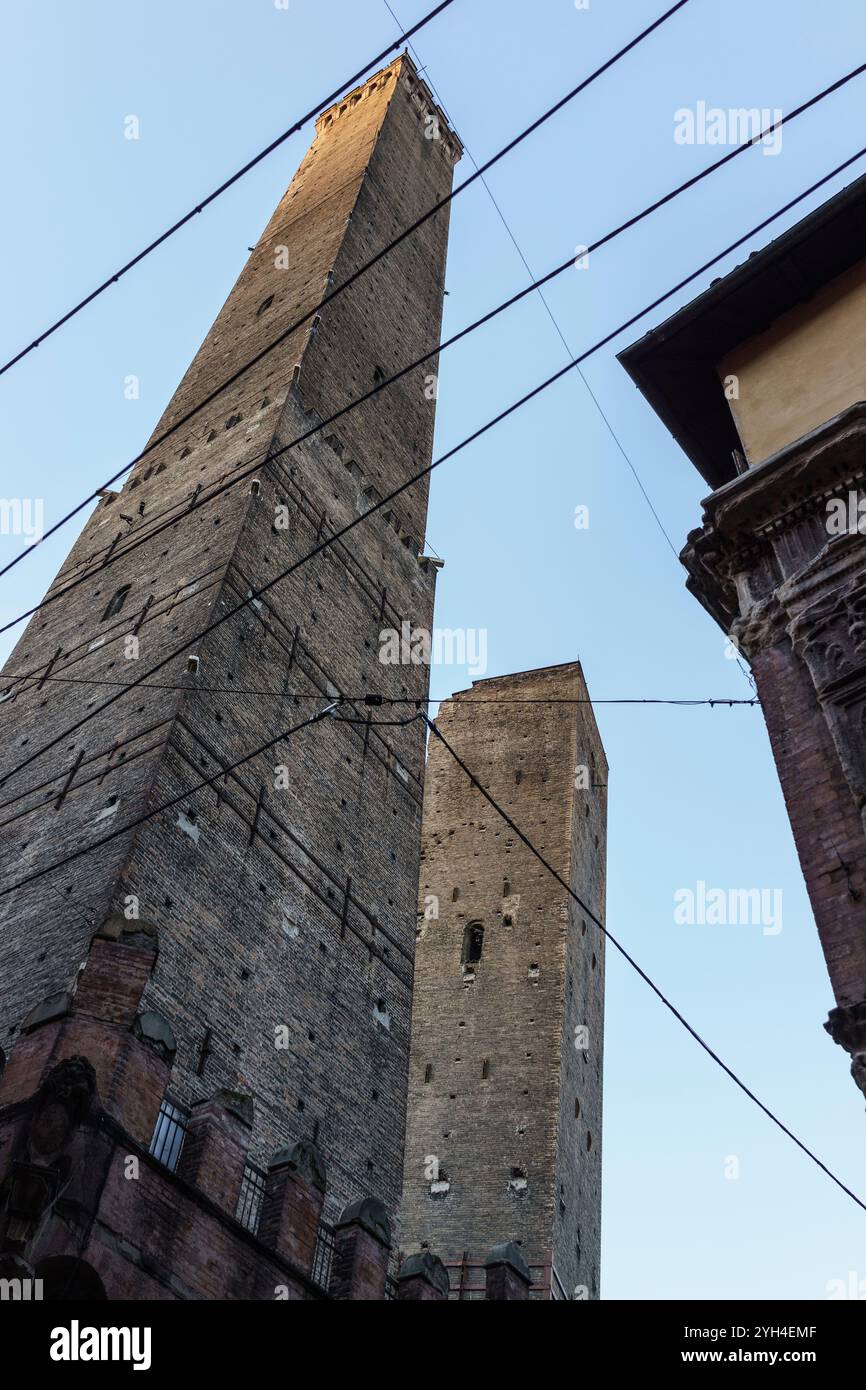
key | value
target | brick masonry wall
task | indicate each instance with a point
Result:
(824, 819)
(278, 908)
(155, 1238)
(501, 1099)
(788, 588)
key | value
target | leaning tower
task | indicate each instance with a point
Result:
(234, 960)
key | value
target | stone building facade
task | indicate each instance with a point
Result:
(239, 966)
(505, 1093)
(762, 381)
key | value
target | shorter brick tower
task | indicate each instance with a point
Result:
(505, 1088)
(762, 381)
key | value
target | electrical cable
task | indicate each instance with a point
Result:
(223, 187)
(251, 467)
(356, 275)
(281, 737)
(633, 963)
(376, 699)
(403, 487)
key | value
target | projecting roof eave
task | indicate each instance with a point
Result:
(675, 366)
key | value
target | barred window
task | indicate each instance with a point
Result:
(168, 1134)
(251, 1197)
(324, 1256)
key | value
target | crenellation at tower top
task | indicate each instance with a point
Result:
(402, 69)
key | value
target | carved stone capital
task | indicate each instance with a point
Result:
(761, 627)
(61, 1101)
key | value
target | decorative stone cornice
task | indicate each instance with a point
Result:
(795, 482)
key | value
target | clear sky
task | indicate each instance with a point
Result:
(693, 792)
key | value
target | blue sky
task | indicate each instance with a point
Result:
(693, 792)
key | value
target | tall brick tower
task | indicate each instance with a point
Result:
(252, 963)
(762, 381)
(504, 1130)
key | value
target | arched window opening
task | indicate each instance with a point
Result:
(117, 602)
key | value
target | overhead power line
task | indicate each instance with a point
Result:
(556, 326)
(434, 729)
(259, 459)
(370, 698)
(321, 105)
(205, 782)
(647, 979)
(543, 299)
(356, 275)
(329, 541)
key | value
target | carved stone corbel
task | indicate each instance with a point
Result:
(847, 1027)
(42, 1168)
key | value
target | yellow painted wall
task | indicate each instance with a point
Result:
(806, 368)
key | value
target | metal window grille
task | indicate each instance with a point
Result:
(251, 1197)
(169, 1133)
(324, 1256)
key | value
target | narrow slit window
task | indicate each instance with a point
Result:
(117, 602)
(473, 943)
